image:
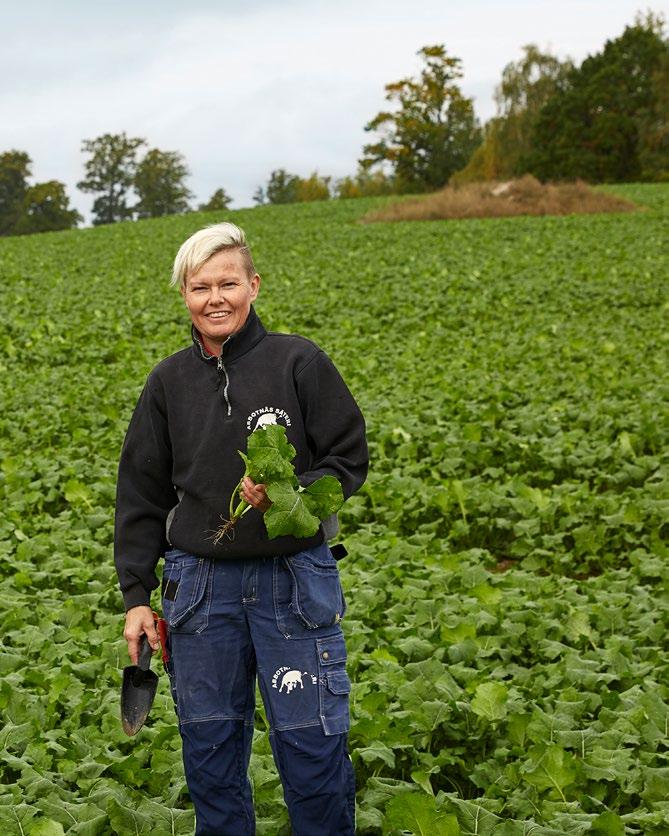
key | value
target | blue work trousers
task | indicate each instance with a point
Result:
(277, 618)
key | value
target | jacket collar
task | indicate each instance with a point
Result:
(250, 334)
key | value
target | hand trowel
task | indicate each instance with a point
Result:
(138, 690)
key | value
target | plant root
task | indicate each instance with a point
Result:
(225, 530)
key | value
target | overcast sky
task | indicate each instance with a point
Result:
(241, 88)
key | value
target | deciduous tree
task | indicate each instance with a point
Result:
(46, 207)
(432, 133)
(159, 183)
(654, 127)
(525, 87)
(14, 173)
(26, 208)
(220, 200)
(365, 184)
(591, 128)
(281, 187)
(110, 172)
(284, 187)
(312, 188)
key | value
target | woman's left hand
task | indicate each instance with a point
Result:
(255, 495)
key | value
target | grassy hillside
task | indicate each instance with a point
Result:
(508, 556)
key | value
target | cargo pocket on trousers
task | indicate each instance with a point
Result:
(186, 592)
(334, 685)
(317, 598)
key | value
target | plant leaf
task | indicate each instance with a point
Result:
(377, 751)
(47, 827)
(417, 813)
(489, 701)
(270, 454)
(549, 767)
(288, 513)
(323, 497)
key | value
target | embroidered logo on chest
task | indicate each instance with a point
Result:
(266, 415)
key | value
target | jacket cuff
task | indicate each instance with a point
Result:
(136, 596)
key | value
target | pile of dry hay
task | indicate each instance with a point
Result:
(526, 196)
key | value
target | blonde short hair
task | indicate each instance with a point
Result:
(207, 242)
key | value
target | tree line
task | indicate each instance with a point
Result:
(25, 208)
(606, 120)
(114, 171)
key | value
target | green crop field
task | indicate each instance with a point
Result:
(508, 567)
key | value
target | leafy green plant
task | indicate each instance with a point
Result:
(295, 510)
(508, 560)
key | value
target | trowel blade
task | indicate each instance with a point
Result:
(136, 700)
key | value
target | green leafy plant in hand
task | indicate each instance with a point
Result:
(295, 510)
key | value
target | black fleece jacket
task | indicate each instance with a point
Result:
(179, 463)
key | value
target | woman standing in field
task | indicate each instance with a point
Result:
(242, 607)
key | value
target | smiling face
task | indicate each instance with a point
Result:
(219, 296)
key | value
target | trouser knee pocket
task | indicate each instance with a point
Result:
(334, 684)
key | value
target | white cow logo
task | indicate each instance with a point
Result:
(265, 420)
(266, 416)
(291, 680)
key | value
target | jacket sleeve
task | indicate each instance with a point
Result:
(144, 497)
(334, 425)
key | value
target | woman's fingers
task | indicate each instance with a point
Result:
(254, 494)
(139, 621)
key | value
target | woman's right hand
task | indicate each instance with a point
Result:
(255, 494)
(139, 620)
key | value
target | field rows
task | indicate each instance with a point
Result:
(507, 576)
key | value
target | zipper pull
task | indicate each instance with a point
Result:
(219, 363)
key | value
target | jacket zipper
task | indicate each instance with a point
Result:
(220, 367)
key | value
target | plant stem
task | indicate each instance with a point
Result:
(232, 497)
(235, 515)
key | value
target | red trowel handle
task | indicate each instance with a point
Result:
(161, 627)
